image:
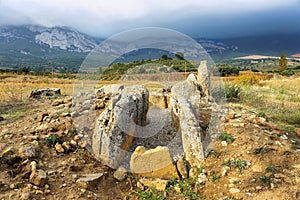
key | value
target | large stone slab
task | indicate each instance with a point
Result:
(117, 124)
(153, 163)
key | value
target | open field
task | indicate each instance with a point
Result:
(277, 99)
(259, 161)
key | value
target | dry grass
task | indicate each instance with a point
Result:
(278, 99)
(16, 88)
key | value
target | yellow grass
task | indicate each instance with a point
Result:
(14, 88)
(278, 99)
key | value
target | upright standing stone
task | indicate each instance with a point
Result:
(204, 77)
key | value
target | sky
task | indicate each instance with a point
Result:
(197, 18)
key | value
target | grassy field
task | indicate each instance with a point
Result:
(277, 99)
(15, 88)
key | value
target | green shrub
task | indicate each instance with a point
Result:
(287, 73)
(52, 139)
(232, 92)
(226, 137)
(239, 164)
(265, 180)
(149, 194)
(215, 177)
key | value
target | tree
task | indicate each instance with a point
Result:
(282, 63)
(24, 70)
(164, 57)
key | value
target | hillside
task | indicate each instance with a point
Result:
(63, 49)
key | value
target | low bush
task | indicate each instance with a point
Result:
(232, 92)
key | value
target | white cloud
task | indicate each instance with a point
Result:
(113, 15)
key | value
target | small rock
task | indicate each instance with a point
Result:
(57, 102)
(140, 185)
(41, 116)
(1, 118)
(66, 146)
(201, 179)
(73, 143)
(238, 115)
(25, 196)
(59, 148)
(177, 189)
(33, 165)
(234, 190)
(258, 188)
(224, 143)
(13, 186)
(120, 174)
(28, 151)
(234, 180)
(279, 176)
(88, 178)
(224, 171)
(284, 137)
(157, 183)
(182, 168)
(38, 177)
(66, 115)
(230, 116)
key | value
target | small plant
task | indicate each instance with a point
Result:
(265, 180)
(270, 168)
(226, 137)
(261, 150)
(73, 131)
(215, 177)
(232, 92)
(210, 152)
(150, 194)
(187, 186)
(239, 164)
(199, 170)
(262, 113)
(52, 139)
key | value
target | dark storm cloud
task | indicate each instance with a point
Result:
(198, 18)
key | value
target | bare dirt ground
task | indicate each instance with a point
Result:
(260, 162)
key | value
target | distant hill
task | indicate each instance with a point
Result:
(41, 48)
(63, 49)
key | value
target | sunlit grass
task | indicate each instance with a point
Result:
(279, 99)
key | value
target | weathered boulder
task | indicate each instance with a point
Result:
(153, 163)
(45, 92)
(116, 125)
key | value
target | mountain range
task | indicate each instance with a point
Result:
(64, 49)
